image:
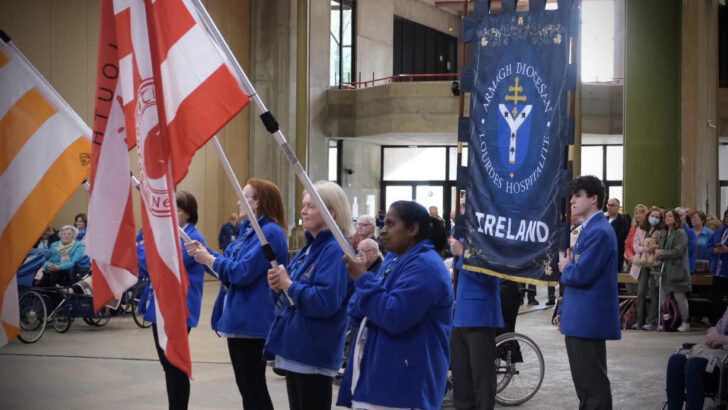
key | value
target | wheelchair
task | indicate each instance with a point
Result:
(717, 394)
(519, 369)
(40, 305)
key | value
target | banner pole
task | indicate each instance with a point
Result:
(271, 125)
(270, 254)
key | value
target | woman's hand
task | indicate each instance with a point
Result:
(200, 253)
(355, 267)
(278, 279)
(659, 253)
(52, 267)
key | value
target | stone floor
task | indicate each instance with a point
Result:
(116, 367)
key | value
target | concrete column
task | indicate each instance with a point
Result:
(698, 183)
(652, 103)
(271, 76)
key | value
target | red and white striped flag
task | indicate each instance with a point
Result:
(111, 234)
(176, 91)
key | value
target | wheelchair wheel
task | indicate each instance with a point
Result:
(62, 319)
(32, 309)
(519, 369)
(138, 317)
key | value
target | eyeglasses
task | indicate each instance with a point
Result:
(359, 225)
(612, 205)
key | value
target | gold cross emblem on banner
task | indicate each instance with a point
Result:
(516, 88)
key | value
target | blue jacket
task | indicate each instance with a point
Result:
(590, 308)
(227, 235)
(723, 257)
(312, 333)
(245, 308)
(705, 252)
(195, 275)
(478, 300)
(409, 319)
(77, 254)
(692, 245)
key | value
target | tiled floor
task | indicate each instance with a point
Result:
(116, 367)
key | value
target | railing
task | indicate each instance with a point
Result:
(399, 78)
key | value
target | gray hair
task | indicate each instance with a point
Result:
(370, 243)
(69, 227)
(367, 218)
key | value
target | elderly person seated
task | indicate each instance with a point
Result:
(365, 227)
(64, 256)
(369, 254)
(691, 371)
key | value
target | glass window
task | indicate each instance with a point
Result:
(616, 192)
(723, 201)
(597, 33)
(453, 153)
(414, 163)
(333, 160)
(723, 162)
(398, 193)
(614, 163)
(430, 195)
(341, 42)
(592, 161)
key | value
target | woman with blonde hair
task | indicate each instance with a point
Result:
(640, 212)
(307, 338)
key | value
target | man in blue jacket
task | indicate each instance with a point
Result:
(590, 309)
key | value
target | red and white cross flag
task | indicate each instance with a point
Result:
(175, 90)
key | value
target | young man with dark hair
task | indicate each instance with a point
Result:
(589, 312)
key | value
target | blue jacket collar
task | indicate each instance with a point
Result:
(262, 220)
(323, 235)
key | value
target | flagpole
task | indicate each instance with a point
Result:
(271, 125)
(181, 231)
(268, 251)
(57, 98)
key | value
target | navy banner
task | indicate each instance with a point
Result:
(518, 135)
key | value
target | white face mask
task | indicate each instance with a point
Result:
(653, 221)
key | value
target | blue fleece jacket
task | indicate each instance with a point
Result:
(76, 254)
(408, 307)
(245, 307)
(312, 333)
(195, 274)
(715, 258)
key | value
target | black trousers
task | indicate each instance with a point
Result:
(473, 367)
(178, 384)
(588, 363)
(718, 289)
(308, 391)
(246, 356)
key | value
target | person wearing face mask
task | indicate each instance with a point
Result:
(640, 213)
(651, 226)
(676, 262)
(719, 267)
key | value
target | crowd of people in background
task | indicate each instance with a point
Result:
(398, 285)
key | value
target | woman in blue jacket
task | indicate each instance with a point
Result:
(307, 338)
(243, 310)
(178, 385)
(64, 255)
(401, 354)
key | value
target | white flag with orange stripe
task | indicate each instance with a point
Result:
(44, 157)
(175, 91)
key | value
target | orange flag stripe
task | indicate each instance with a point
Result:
(10, 330)
(20, 123)
(32, 218)
(4, 59)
